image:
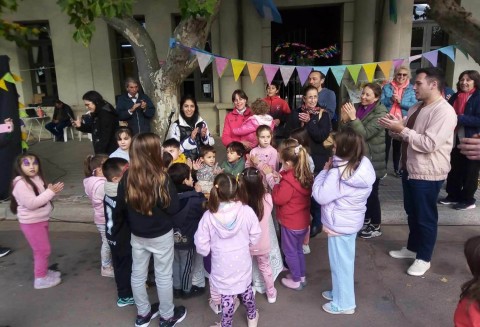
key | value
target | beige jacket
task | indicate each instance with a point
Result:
(430, 141)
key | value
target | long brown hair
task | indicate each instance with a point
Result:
(349, 146)
(226, 188)
(251, 179)
(471, 289)
(298, 156)
(147, 180)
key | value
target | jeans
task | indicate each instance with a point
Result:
(57, 128)
(37, 236)
(292, 247)
(182, 269)
(420, 203)
(341, 253)
(105, 253)
(162, 249)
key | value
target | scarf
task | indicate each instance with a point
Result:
(363, 111)
(398, 90)
(310, 111)
(461, 101)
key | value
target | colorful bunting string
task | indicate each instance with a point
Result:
(10, 78)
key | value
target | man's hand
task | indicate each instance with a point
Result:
(392, 123)
(470, 147)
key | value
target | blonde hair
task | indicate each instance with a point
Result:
(298, 156)
(403, 67)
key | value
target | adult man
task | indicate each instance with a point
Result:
(134, 108)
(62, 117)
(326, 97)
(427, 137)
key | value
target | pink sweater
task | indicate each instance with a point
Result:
(267, 157)
(94, 188)
(247, 130)
(263, 245)
(32, 208)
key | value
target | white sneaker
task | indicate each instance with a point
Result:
(404, 253)
(306, 249)
(418, 268)
(46, 282)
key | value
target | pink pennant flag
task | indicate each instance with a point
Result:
(413, 58)
(221, 64)
(432, 56)
(286, 72)
(203, 59)
(303, 73)
(397, 63)
(270, 71)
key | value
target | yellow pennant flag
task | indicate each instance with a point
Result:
(3, 85)
(20, 105)
(385, 67)
(253, 70)
(370, 70)
(237, 67)
(17, 78)
(354, 71)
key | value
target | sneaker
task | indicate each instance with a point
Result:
(447, 201)
(179, 313)
(330, 308)
(194, 292)
(46, 282)
(124, 301)
(418, 268)
(366, 222)
(272, 298)
(4, 251)
(383, 176)
(303, 280)
(54, 273)
(398, 173)
(216, 308)
(404, 253)
(290, 283)
(107, 271)
(253, 322)
(306, 249)
(464, 206)
(144, 321)
(327, 295)
(370, 231)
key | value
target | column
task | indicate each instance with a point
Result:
(364, 32)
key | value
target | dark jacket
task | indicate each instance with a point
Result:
(470, 119)
(185, 222)
(102, 126)
(159, 223)
(139, 120)
(64, 114)
(116, 227)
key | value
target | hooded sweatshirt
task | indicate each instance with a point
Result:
(227, 235)
(344, 198)
(32, 208)
(117, 230)
(263, 245)
(94, 188)
(247, 130)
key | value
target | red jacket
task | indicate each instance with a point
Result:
(277, 106)
(233, 120)
(292, 201)
(467, 313)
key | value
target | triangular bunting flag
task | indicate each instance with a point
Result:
(253, 70)
(221, 63)
(17, 78)
(204, 59)
(21, 105)
(8, 78)
(413, 58)
(397, 63)
(3, 85)
(270, 71)
(303, 73)
(370, 70)
(449, 51)
(286, 72)
(432, 56)
(338, 72)
(354, 71)
(323, 69)
(385, 67)
(463, 51)
(237, 67)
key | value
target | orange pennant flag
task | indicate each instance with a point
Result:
(370, 70)
(385, 67)
(254, 69)
(17, 78)
(237, 67)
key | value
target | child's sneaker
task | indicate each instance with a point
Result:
(124, 301)
(46, 282)
(179, 313)
(303, 280)
(107, 271)
(272, 298)
(54, 273)
(290, 283)
(306, 249)
(253, 322)
(216, 308)
(144, 321)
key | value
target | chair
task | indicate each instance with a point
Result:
(80, 135)
(65, 134)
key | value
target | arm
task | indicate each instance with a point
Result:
(86, 126)
(202, 236)
(23, 191)
(124, 104)
(227, 137)
(370, 128)
(246, 128)
(326, 186)
(386, 98)
(318, 130)
(208, 139)
(473, 118)
(149, 111)
(108, 123)
(282, 193)
(255, 231)
(174, 132)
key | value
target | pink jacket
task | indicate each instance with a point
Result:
(233, 120)
(32, 208)
(247, 130)
(94, 188)
(227, 235)
(263, 246)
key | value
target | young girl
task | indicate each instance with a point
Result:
(468, 309)
(247, 131)
(147, 197)
(291, 194)
(264, 153)
(94, 183)
(31, 202)
(124, 139)
(342, 189)
(226, 230)
(261, 203)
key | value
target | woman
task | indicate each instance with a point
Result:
(235, 119)
(364, 120)
(279, 110)
(190, 129)
(397, 96)
(102, 123)
(462, 178)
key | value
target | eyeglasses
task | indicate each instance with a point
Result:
(402, 75)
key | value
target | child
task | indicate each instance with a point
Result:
(147, 196)
(31, 202)
(124, 139)
(235, 163)
(342, 189)
(172, 146)
(185, 225)
(94, 187)
(291, 194)
(263, 154)
(468, 309)
(226, 230)
(117, 231)
(247, 131)
(261, 203)
(208, 169)
(279, 110)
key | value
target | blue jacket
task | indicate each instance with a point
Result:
(139, 120)
(408, 98)
(470, 119)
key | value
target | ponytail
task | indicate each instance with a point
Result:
(92, 163)
(298, 155)
(226, 188)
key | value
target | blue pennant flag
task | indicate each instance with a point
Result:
(268, 10)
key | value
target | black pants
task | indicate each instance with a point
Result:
(374, 212)
(396, 150)
(462, 180)
(122, 266)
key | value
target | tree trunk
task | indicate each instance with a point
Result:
(458, 23)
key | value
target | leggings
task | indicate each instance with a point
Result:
(228, 306)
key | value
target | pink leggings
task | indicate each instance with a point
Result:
(37, 236)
